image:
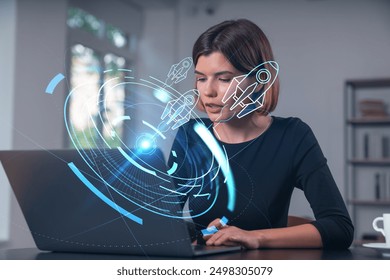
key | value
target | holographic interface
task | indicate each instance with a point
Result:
(245, 96)
(137, 174)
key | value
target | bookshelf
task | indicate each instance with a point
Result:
(367, 145)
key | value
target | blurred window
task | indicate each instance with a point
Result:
(78, 18)
(95, 60)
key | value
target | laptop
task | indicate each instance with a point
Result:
(101, 201)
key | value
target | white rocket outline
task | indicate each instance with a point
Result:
(178, 71)
(255, 102)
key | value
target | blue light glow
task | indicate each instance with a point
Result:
(154, 129)
(214, 147)
(209, 231)
(224, 221)
(145, 144)
(136, 164)
(124, 175)
(172, 169)
(162, 95)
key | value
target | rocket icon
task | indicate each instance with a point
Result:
(178, 72)
(178, 112)
(245, 96)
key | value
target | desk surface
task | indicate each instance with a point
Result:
(357, 253)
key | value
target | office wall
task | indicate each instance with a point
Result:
(40, 34)
(7, 57)
(40, 49)
(157, 52)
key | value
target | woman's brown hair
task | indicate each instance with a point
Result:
(245, 45)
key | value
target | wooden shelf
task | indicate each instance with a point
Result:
(358, 123)
(370, 162)
(369, 121)
(369, 83)
(370, 202)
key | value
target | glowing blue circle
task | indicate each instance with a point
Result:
(145, 143)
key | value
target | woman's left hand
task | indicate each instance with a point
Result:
(234, 236)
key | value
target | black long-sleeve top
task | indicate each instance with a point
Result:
(265, 170)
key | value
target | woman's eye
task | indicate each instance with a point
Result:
(225, 80)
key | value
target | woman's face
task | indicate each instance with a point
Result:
(214, 74)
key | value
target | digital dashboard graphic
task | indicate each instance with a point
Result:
(136, 173)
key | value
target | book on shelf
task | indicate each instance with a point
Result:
(373, 108)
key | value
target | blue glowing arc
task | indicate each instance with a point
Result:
(54, 82)
(135, 163)
(157, 201)
(174, 165)
(214, 147)
(172, 169)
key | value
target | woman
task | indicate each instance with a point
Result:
(268, 155)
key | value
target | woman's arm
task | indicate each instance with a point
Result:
(301, 236)
(313, 176)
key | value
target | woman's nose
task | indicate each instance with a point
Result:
(210, 90)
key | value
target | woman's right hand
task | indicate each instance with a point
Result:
(231, 236)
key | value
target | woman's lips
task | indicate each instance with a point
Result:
(213, 108)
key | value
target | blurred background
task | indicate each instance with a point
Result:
(325, 49)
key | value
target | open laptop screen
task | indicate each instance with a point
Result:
(99, 205)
